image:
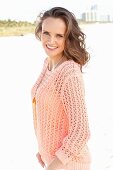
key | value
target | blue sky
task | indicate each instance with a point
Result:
(29, 9)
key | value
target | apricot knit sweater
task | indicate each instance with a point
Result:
(60, 114)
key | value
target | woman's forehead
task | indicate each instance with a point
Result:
(56, 24)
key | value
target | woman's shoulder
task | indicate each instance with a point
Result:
(71, 66)
(68, 69)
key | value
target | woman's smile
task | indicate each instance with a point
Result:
(51, 47)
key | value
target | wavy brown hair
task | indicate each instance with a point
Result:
(75, 47)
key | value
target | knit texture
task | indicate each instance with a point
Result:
(60, 114)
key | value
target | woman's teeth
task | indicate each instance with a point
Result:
(50, 47)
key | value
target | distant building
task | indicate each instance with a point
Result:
(90, 16)
(106, 18)
(94, 7)
(93, 15)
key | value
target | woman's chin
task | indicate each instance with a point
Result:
(50, 53)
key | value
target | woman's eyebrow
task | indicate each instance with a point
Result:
(56, 33)
(60, 34)
(45, 31)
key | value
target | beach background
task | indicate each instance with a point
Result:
(21, 60)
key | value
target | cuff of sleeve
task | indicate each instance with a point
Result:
(63, 156)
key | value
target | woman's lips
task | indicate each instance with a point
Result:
(51, 47)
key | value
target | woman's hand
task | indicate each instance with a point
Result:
(40, 159)
(55, 165)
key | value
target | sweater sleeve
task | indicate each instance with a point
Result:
(73, 100)
(33, 92)
(34, 88)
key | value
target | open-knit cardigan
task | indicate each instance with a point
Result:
(60, 113)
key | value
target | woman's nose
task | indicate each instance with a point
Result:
(52, 40)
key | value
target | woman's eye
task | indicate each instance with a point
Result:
(60, 36)
(46, 33)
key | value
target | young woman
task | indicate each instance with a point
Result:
(58, 96)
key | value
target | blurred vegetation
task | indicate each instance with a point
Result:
(16, 28)
(20, 28)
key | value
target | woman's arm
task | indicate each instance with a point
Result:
(73, 100)
(33, 90)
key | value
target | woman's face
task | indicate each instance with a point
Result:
(53, 36)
